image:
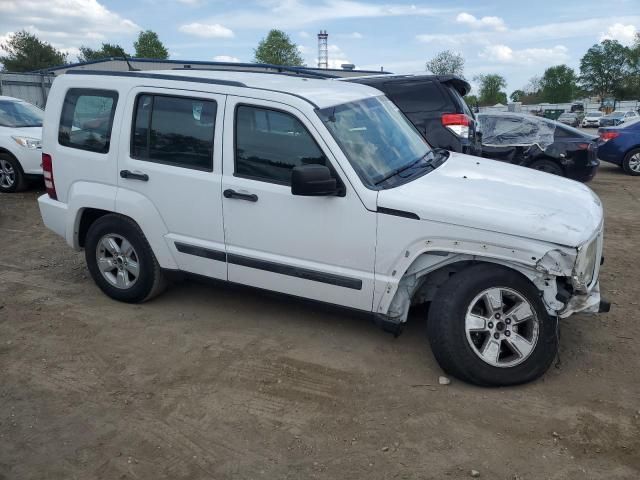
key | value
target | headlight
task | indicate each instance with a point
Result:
(28, 142)
(586, 265)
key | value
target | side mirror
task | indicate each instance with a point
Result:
(313, 181)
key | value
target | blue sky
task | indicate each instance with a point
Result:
(515, 39)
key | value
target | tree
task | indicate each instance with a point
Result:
(558, 84)
(604, 67)
(490, 91)
(149, 45)
(472, 101)
(107, 50)
(446, 63)
(25, 52)
(517, 95)
(277, 49)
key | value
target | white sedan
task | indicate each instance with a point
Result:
(20, 146)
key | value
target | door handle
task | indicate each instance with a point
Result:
(134, 176)
(249, 197)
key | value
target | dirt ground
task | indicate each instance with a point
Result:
(218, 382)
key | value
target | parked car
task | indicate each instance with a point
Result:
(321, 190)
(569, 119)
(434, 104)
(591, 119)
(616, 118)
(540, 144)
(621, 145)
(20, 153)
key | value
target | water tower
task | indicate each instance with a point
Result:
(323, 50)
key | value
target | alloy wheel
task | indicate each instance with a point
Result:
(634, 162)
(7, 174)
(501, 327)
(117, 261)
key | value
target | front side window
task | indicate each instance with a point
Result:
(19, 114)
(270, 143)
(177, 131)
(87, 119)
(375, 136)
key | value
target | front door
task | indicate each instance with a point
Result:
(173, 164)
(321, 248)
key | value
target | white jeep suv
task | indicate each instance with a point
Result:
(20, 153)
(322, 190)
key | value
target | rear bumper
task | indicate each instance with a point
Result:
(54, 214)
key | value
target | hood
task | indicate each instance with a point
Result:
(490, 195)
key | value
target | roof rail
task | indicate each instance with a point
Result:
(157, 76)
(279, 70)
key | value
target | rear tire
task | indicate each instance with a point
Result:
(12, 177)
(548, 166)
(121, 261)
(472, 352)
(631, 162)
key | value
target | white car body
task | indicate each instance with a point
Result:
(22, 143)
(364, 250)
(591, 120)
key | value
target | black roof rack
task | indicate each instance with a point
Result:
(279, 70)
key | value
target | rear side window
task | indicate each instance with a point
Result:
(174, 130)
(415, 97)
(270, 143)
(87, 119)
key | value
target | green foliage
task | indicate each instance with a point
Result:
(604, 68)
(446, 63)
(25, 53)
(490, 91)
(149, 45)
(517, 95)
(558, 84)
(277, 49)
(107, 50)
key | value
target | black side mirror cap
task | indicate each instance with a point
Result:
(313, 181)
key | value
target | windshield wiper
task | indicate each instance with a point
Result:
(395, 172)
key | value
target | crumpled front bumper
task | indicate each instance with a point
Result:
(590, 302)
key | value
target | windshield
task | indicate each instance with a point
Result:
(594, 114)
(19, 114)
(632, 121)
(568, 115)
(375, 136)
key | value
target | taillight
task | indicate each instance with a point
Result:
(584, 146)
(47, 169)
(606, 136)
(458, 123)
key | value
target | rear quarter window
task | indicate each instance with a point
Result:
(87, 119)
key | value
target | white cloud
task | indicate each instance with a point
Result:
(304, 34)
(494, 23)
(625, 34)
(352, 35)
(206, 30)
(528, 56)
(296, 13)
(66, 24)
(226, 58)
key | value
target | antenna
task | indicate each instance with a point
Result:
(323, 51)
(124, 55)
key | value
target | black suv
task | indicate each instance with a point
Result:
(434, 104)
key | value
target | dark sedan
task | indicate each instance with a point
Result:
(621, 145)
(540, 144)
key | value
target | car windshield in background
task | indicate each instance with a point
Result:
(594, 114)
(568, 115)
(19, 114)
(631, 122)
(375, 136)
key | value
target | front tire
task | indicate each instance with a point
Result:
(121, 261)
(488, 326)
(12, 177)
(631, 162)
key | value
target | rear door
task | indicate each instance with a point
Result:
(174, 162)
